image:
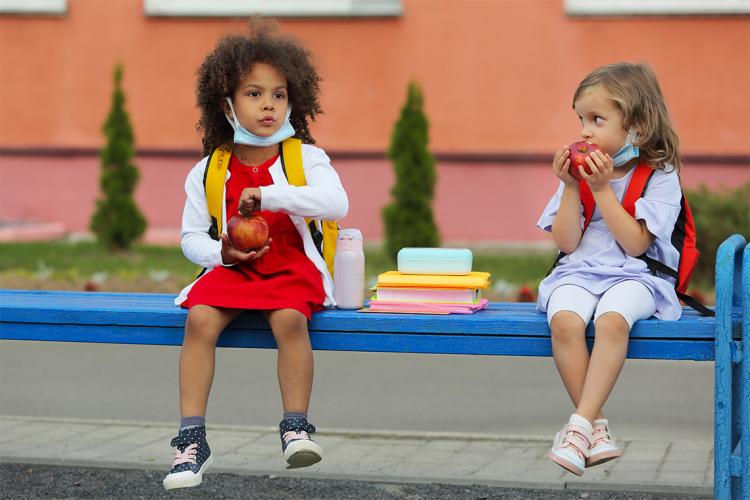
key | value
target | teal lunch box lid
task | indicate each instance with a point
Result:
(432, 260)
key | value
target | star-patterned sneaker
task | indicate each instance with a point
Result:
(192, 458)
(298, 447)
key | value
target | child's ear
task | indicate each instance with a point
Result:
(225, 108)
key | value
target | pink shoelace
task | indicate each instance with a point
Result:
(291, 435)
(187, 456)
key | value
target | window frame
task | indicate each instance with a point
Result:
(34, 7)
(656, 7)
(275, 8)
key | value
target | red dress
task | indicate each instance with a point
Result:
(284, 278)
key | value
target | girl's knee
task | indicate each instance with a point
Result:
(566, 326)
(287, 323)
(201, 325)
(611, 324)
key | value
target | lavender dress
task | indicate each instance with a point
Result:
(599, 262)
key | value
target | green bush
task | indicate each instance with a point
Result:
(408, 219)
(717, 215)
(117, 222)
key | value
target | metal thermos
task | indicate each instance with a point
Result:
(349, 270)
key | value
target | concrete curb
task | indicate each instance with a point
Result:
(672, 468)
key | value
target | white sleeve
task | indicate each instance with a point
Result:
(660, 205)
(323, 197)
(550, 211)
(196, 244)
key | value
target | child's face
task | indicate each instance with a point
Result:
(261, 100)
(601, 119)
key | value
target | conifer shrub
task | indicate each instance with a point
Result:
(117, 222)
(408, 218)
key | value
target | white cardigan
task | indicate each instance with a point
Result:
(323, 198)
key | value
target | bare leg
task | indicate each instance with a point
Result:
(198, 356)
(607, 359)
(295, 358)
(571, 353)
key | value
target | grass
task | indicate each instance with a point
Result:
(63, 265)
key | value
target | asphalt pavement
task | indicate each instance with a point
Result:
(32, 482)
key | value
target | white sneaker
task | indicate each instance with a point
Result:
(571, 448)
(603, 446)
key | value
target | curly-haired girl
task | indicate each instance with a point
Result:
(255, 92)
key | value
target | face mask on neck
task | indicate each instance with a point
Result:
(244, 136)
(628, 151)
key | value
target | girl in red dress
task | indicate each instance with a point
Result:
(254, 92)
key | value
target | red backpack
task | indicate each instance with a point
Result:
(683, 234)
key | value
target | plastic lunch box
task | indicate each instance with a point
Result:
(455, 261)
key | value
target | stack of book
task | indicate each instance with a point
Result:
(429, 293)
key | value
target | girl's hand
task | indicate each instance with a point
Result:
(601, 165)
(249, 201)
(560, 165)
(230, 255)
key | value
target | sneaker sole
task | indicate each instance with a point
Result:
(187, 479)
(603, 457)
(565, 464)
(302, 454)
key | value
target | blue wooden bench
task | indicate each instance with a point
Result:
(510, 329)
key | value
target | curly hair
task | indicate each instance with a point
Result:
(636, 92)
(233, 58)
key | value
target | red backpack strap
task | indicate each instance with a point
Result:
(587, 200)
(636, 187)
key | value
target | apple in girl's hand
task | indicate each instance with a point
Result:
(247, 233)
(578, 153)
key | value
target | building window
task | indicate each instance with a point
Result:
(656, 7)
(43, 7)
(276, 8)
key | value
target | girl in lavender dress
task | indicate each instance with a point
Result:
(622, 110)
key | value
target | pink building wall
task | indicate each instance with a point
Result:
(475, 203)
(497, 77)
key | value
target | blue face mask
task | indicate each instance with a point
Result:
(628, 151)
(244, 136)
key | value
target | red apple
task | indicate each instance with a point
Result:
(578, 153)
(247, 233)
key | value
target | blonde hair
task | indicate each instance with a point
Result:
(634, 89)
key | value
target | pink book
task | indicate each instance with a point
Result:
(416, 294)
(425, 307)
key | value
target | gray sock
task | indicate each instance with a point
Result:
(187, 422)
(294, 414)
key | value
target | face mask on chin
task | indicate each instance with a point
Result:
(628, 151)
(244, 136)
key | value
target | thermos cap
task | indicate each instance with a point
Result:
(349, 239)
(350, 234)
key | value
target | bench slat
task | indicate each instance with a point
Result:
(135, 318)
(155, 310)
(508, 345)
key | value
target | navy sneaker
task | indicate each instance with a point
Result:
(192, 458)
(298, 447)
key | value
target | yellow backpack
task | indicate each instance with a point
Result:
(324, 233)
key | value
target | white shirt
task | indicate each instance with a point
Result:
(322, 198)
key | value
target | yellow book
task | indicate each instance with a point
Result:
(396, 279)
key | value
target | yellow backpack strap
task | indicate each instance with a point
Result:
(324, 238)
(214, 179)
(330, 237)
